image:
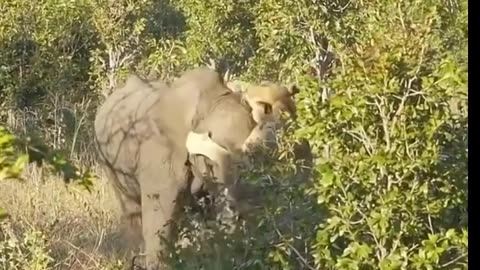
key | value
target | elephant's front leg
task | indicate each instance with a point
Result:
(159, 189)
(157, 211)
(161, 178)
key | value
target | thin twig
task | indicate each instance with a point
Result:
(381, 111)
(401, 106)
(402, 22)
(377, 243)
(361, 138)
(367, 141)
(454, 260)
(300, 257)
(430, 226)
(81, 251)
(344, 7)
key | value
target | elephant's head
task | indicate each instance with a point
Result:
(209, 161)
(216, 169)
(216, 141)
(223, 123)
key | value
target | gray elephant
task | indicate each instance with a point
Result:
(154, 140)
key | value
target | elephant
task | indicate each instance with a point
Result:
(154, 140)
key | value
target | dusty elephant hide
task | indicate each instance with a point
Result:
(141, 135)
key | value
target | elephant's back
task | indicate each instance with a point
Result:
(122, 123)
(127, 106)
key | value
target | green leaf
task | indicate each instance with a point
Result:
(327, 179)
(20, 163)
(3, 214)
(363, 251)
(338, 101)
(450, 233)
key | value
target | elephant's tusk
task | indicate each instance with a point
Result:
(201, 143)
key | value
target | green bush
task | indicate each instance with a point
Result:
(11, 162)
(27, 251)
(383, 104)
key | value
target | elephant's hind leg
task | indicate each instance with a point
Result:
(131, 210)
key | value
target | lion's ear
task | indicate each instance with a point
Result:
(293, 89)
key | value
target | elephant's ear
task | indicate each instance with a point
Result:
(202, 144)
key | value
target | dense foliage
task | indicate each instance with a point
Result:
(383, 104)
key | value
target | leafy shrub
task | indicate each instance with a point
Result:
(27, 251)
(11, 163)
(383, 104)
